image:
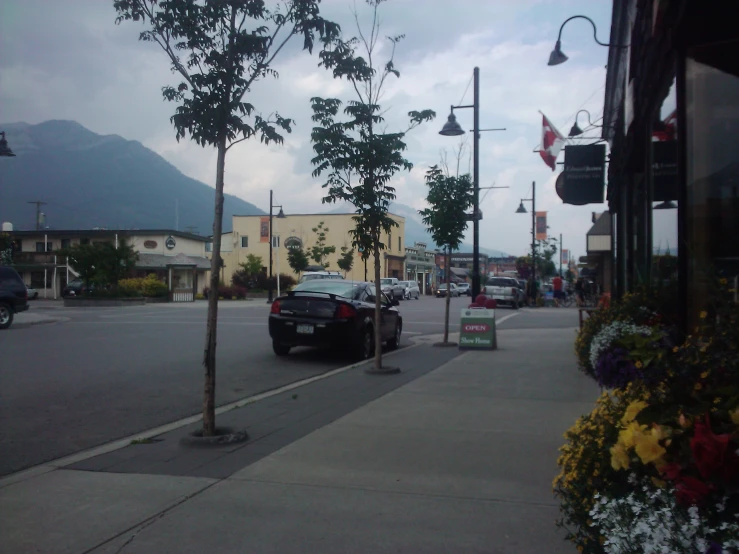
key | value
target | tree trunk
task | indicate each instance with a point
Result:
(448, 295)
(209, 356)
(378, 308)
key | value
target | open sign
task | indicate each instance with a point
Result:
(476, 327)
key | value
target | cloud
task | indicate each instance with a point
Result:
(69, 60)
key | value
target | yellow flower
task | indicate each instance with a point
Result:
(704, 314)
(675, 349)
(648, 448)
(722, 281)
(627, 437)
(735, 416)
(619, 457)
(698, 386)
(658, 482)
(638, 364)
(633, 410)
(704, 374)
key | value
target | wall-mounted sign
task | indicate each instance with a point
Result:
(264, 229)
(664, 170)
(583, 180)
(150, 244)
(170, 243)
(293, 242)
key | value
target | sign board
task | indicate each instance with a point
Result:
(264, 229)
(477, 329)
(541, 225)
(170, 243)
(584, 177)
(664, 170)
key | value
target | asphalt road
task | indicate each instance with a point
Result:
(109, 373)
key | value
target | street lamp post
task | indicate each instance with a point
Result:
(522, 210)
(557, 57)
(280, 215)
(452, 129)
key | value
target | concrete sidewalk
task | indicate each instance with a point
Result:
(459, 459)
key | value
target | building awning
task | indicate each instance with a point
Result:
(160, 261)
(460, 272)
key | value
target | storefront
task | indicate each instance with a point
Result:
(672, 122)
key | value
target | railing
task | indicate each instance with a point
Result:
(183, 296)
(37, 258)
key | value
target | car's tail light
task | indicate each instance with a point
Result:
(345, 311)
(275, 309)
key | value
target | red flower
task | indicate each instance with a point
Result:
(690, 491)
(709, 450)
(671, 471)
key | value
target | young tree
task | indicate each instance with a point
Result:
(297, 259)
(114, 263)
(85, 258)
(252, 266)
(220, 49)
(346, 260)
(449, 198)
(320, 250)
(358, 155)
(6, 249)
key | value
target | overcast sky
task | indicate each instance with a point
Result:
(68, 60)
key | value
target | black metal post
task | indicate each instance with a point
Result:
(476, 185)
(533, 239)
(269, 285)
(561, 253)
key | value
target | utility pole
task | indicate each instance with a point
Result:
(38, 203)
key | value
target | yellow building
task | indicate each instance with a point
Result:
(250, 235)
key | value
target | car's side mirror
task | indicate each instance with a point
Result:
(395, 302)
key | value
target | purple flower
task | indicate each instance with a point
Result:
(615, 370)
(714, 548)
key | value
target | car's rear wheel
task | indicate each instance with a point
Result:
(6, 316)
(394, 342)
(280, 349)
(365, 347)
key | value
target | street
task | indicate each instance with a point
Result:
(107, 373)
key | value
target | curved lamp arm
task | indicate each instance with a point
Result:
(595, 31)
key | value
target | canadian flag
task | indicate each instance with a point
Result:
(551, 142)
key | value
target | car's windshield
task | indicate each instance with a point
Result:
(463, 285)
(442, 287)
(331, 286)
(75, 282)
(499, 282)
(386, 281)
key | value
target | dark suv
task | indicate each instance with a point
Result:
(13, 295)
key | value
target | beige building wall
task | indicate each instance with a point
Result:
(250, 235)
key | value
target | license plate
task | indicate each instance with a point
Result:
(304, 329)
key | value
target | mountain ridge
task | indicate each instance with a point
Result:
(89, 180)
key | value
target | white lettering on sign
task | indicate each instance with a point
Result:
(475, 328)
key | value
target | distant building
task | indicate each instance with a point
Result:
(420, 266)
(501, 265)
(177, 258)
(250, 235)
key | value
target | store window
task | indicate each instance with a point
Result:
(664, 183)
(244, 242)
(712, 174)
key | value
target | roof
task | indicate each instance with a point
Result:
(107, 233)
(459, 271)
(602, 225)
(319, 215)
(161, 261)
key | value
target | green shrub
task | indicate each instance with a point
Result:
(152, 287)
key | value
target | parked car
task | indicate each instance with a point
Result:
(32, 293)
(311, 275)
(392, 287)
(411, 290)
(334, 314)
(441, 291)
(75, 288)
(464, 289)
(13, 296)
(505, 290)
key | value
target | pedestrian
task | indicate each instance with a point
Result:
(579, 292)
(558, 292)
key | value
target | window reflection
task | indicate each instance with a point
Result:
(712, 103)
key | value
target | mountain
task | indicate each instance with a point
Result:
(89, 180)
(415, 230)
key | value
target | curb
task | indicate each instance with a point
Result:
(60, 463)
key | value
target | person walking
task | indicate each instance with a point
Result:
(557, 289)
(579, 292)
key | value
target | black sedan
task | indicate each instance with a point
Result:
(333, 314)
